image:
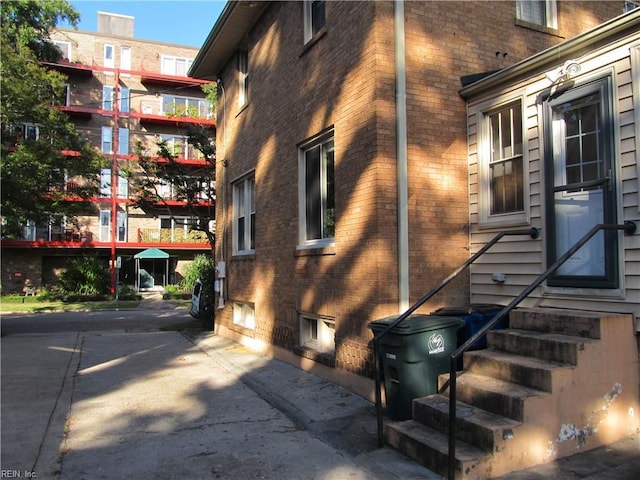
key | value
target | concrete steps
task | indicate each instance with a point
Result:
(540, 391)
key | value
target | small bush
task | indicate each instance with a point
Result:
(86, 276)
(202, 267)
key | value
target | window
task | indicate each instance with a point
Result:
(25, 131)
(177, 228)
(316, 191)
(318, 333)
(105, 184)
(185, 106)
(630, 5)
(175, 65)
(66, 95)
(107, 97)
(105, 225)
(123, 141)
(109, 56)
(244, 215)
(65, 48)
(244, 315)
(107, 140)
(243, 78)
(123, 101)
(108, 93)
(125, 59)
(538, 12)
(314, 18)
(506, 175)
(122, 226)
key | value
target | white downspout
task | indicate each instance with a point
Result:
(401, 165)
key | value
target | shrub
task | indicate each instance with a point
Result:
(202, 267)
(86, 276)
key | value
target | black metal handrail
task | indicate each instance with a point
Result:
(629, 229)
(532, 232)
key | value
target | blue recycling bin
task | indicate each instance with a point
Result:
(475, 317)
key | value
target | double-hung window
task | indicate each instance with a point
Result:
(244, 215)
(543, 13)
(314, 18)
(501, 191)
(316, 192)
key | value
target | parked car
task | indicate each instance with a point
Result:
(202, 299)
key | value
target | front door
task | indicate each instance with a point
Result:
(581, 192)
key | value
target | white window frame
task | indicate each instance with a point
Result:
(65, 47)
(485, 217)
(243, 78)
(244, 315)
(106, 145)
(326, 144)
(201, 104)
(125, 60)
(107, 97)
(244, 211)
(308, 11)
(169, 65)
(318, 332)
(104, 220)
(123, 141)
(524, 12)
(122, 226)
(67, 94)
(109, 61)
(176, 224)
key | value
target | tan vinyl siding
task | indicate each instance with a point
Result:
(523, 259)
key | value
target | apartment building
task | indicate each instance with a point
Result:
(123, 91)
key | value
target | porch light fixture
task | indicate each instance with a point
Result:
(570, 69)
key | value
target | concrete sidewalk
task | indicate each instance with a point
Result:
(161, 405)
(117, 405)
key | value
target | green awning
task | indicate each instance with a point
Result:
(151, 253)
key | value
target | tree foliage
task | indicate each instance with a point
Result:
(37, 137)
(192, 189)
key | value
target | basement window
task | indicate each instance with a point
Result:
(244, 315)
(318, 333)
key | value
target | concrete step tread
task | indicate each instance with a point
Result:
(514, 358)
(466, 413)
(501, 387)
(552, 337)
(437, 441)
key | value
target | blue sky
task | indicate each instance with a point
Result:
(184, 22)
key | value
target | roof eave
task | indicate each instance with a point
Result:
(234, 23)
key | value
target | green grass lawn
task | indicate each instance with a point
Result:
(15, 303)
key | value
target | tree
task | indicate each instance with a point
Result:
(193, 189)
(41, 150)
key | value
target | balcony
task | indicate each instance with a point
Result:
(169, 236)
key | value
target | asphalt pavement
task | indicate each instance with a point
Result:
(171, 405)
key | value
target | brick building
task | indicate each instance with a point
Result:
(343, 157)
(122, 90)
(367, 149)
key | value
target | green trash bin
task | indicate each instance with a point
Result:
(413, 354)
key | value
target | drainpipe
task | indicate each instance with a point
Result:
(401, 161)
(222, 275)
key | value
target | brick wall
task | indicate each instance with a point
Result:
(346, 80)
